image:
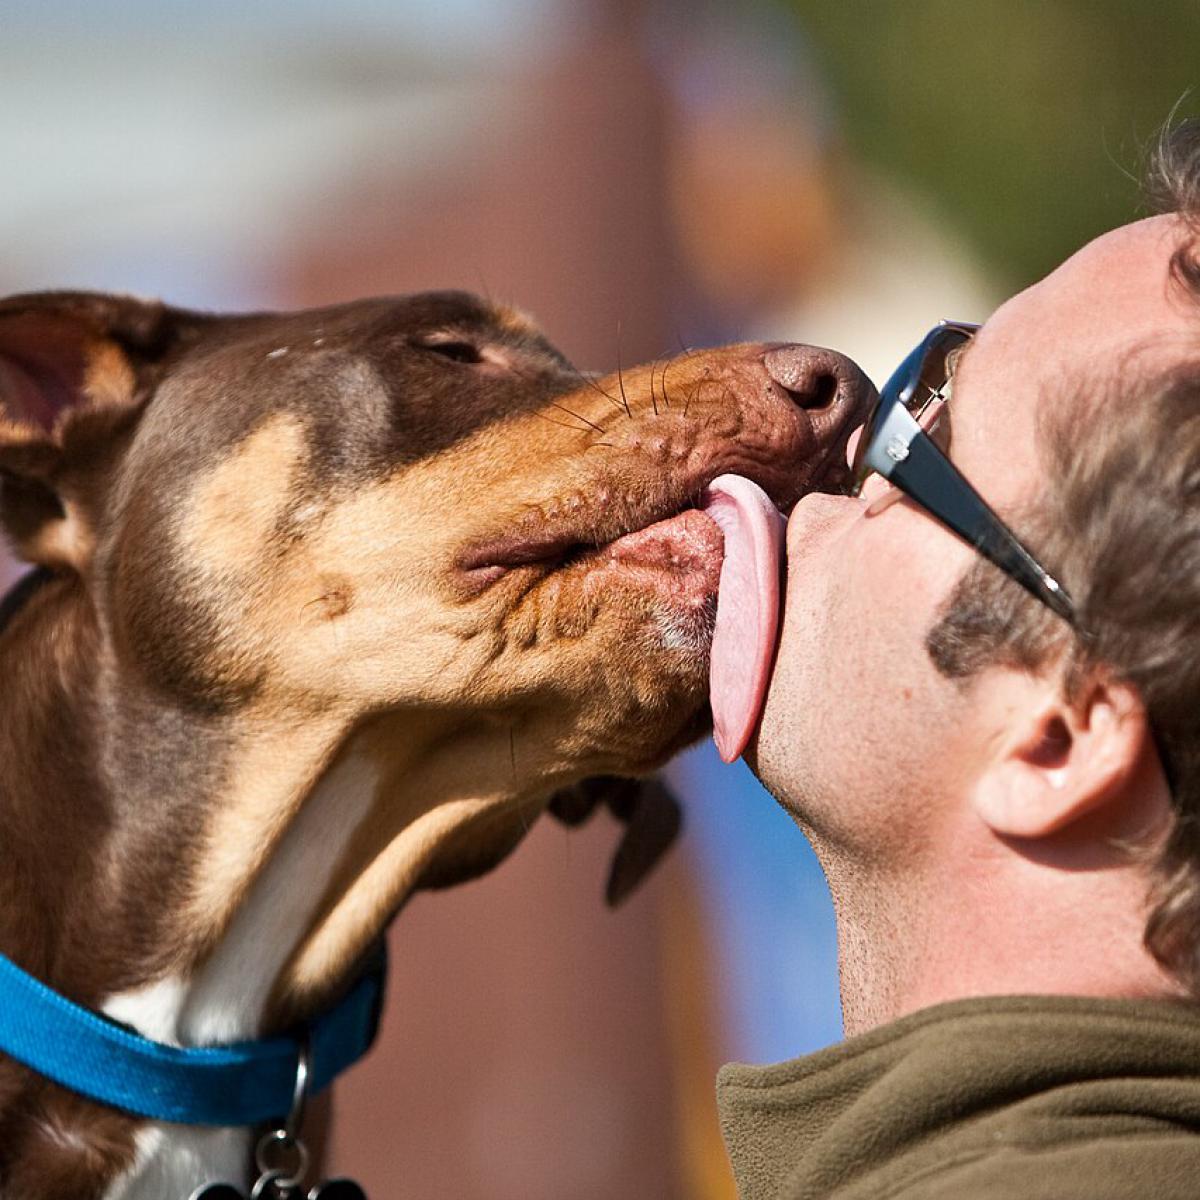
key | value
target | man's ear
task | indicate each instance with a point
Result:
(75, 370)
(1062, 758)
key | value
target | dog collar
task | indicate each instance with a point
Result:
(246, 1083)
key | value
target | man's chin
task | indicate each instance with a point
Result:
(750, 754)
(763, 753)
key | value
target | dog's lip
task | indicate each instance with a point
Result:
(582, 524)
(551, 549)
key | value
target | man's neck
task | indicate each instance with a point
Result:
(1010, 927)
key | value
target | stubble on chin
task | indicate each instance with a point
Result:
(773, 752)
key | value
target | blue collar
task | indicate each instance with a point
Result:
(247, 1083)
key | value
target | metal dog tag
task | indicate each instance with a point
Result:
(217, 1191)
(337, 1189)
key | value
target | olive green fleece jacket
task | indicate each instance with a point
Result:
(1002, 1098)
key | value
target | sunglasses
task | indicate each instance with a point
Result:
(896, 444)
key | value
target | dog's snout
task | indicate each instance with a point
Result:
(822, 382)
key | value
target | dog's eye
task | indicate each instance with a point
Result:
(455, 349)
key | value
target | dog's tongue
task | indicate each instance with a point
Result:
(747, 608)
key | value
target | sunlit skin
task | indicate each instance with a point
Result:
(966, 828)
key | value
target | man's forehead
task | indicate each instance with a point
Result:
(1112, 307)
(1111, 296)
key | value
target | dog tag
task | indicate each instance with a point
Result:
(217, 1191)
(337, 1189)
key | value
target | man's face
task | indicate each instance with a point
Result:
(861, 738)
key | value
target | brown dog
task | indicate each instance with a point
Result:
(330, 605)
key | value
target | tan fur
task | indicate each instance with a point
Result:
(269, 776)
(109, 379)
(514, 320)
(391, 870)
(399, 644)
(235, 507)
(407, 645)
(66, 543)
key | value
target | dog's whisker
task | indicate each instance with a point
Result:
(595, 386)
(683, 346)
(621, 375)
(666, 393)
(578, 417)
(624, 398)
(522, 814)
(560, 424)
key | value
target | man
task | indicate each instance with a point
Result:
(999, 767)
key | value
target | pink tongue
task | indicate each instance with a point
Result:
(747, 608)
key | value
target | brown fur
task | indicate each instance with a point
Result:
(270, 541)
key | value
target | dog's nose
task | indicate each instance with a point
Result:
(827, 385)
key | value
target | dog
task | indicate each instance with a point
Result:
(327, 607)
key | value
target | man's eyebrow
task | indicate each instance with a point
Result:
(958, 356)
(946, 419)
(954, 365)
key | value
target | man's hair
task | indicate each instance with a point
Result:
(1119, 524)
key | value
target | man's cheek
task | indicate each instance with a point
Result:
(804, 640)
(813, 523)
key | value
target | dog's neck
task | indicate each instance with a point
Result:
(198, 879)
(227, 995)
(190, 877)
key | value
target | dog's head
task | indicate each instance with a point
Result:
(411, 516)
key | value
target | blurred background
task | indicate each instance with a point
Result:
(641, 175)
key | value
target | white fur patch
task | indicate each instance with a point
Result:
(226, 1001)
(173, 1160)
(152, 1010)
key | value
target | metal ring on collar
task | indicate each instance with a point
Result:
(280, 1171)
(280, 1181)
(295, 1118)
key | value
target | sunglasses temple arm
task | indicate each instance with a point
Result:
(933, 481)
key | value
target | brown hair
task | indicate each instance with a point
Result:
(1119, 524)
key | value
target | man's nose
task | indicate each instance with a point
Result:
(830, 387)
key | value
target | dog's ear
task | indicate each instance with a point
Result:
(651, 816)
(75, 370)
